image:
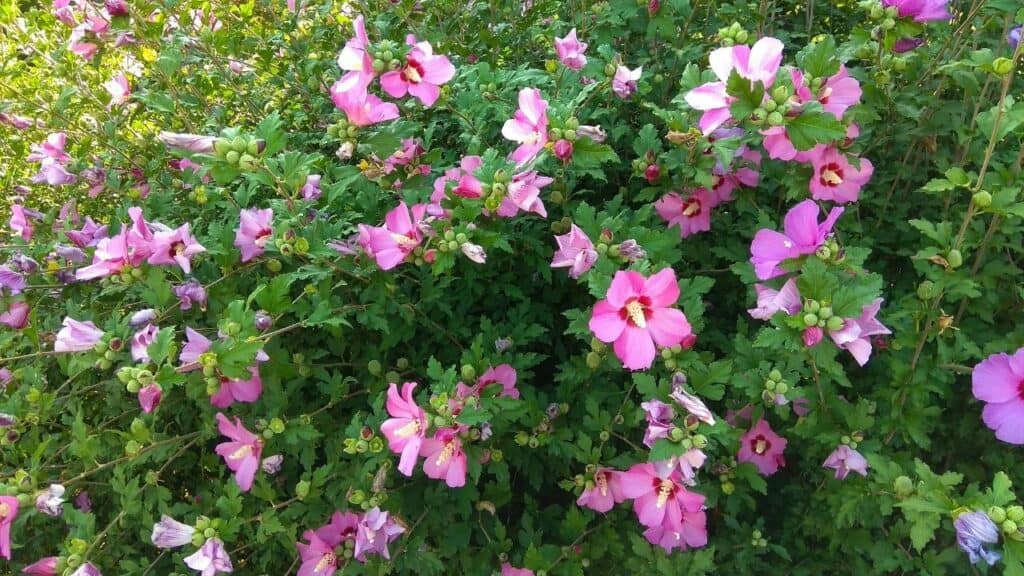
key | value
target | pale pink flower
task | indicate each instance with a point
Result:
(51, 149)
(524, 195)
(178, 247)
(604, 493)
(759, 63)
(169, 533)
(354, 56)
(255, 230)
(374, 532)
(675, 514)
(803, 235)
(210, 559)
(141, 341)
(762, 447)
(855, 335)
(20, 223)
(636, 315)
(188, 142)
(77, 336)
(570, 51)
(999, 382)
(770, 301)
(845, 460)
(16, 315)
(528, 126)
(835, 179)
(318, 557)
(42, 567)
(407, 427)
(8, 512)
(242, 453)
(624, 81)
(360, 107)
(120, 90)
(444, 458)
(575, 251)
(422, 75)
(392, 243)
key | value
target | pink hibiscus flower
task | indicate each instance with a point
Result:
(675, 516)
(407, 427)
(636, 315)
(803, 235)
(242, 453)
(392, 243)
(422, 75)
(528, 126)
(570, 51)
(445, 458)
(255, 230)
(762, 447)
(691, 215)
(855, 335)
(603, 493)
(999, 382)
(835, 179)
(845, 460)
(770, 301)
(575, 251)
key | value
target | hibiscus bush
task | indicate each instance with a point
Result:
(312, 287)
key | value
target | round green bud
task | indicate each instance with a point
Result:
(955, 259)
(775, 375)
(402, 363)
(301, 246)
(593, 360)
(888, 24)
(522, 438)
(1009, 526)
(700, 441)
(609, 69)
(198, 539)
(221, 146)
(770, 106)
(362, 446)
(132, 448)
(1015, 513)
(825, 312)
(741, 37)
(1002, 66)
(302, 489)
(253, 148)
(277, 425)
(810, 319)
(449, 234)
(274, 265)
(781, 388)
(758, 115)
(74, 560)
(982, 199)
(775, 119)
(468, 372)
(209, 533)
(770, 384)
(376, 444)
(676, 434)
(728, 488)
(533, 443)
(834, 323)
(997, 514)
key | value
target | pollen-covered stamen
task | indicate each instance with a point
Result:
(825, 93)
(446, 453)
(5, 509)
(691, 207)
(665, 489)
(832, 174)
(413, 427)
(263, 237)
(403, 240)
(635, 312)
(328, 559)
(242, 452)
(413, 72)
(760, 445)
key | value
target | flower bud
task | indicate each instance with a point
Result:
(1009, 526)
(1002, 66)
(903, 486)
(834, 323)
(1015, 513)
(982, 199)
(302, 489)
(997, 514)
(955, 259)
(374, 367)
(263, 321)
(728, 488)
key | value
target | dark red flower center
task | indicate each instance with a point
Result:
(414, 71)
(691, 207)
(759, 444)
(636, 311)
(1020, 390)
(831, 174)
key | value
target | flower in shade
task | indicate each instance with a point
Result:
(16, 315)
(444, 458)
(921, 10)
(837, 180)
(141, 341)
(757, 63)
(77, 336)
(255, 229)
(999, 382)
(421, 76)
(189, 293)
(272, 464)
(189, 142)
(89, 235)
(149, 397)
(563, 150)
(674, 516)
(169, 533)
(341, 528)
(603, 493)
(5, 377)
(1013, 37)
(770, 301)
(855, 335)
(392, 243)
(88, 569)
(691, 215)
(575, 251)
(374, 532)
(317, 557)
(179, 246)
(82, 502)
(508, 570)
(407, 427)
(528, 126)
(311, 189)
(51, 500)
(119, 90)
(659, 420)
(570, 51)
(636, 315)
(142, 317)
(624, 81)
(692, 404)
(845, 460)
(210, 559)
(20, 223)
(42, 567)
(474, 252)
(973, 531)
(8, 512)
(762, 447)
(802, 235)
(907, 44)
(242, 453)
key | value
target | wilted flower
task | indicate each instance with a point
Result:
(144, 316)
(844, 460)
(42, 567)
(272, 464)
(210, 559)
(77, 336)
(474, 252)
(631, 251)
(51, 500)
(575, 251)
(141, 341)
(190, 142)
(595, 133)
(973, 531)
(659, 421)
(570, 51)
(624, 81)
(374, 532)
(189, 293)
(169, 533)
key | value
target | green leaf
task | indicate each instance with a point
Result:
(273, 297)
(819, 59)
(589, 154)
(160, 348)
(748, 95)
(646, 141)
(235, 359)
(814, 127)
(271, 130)
(816, 282)
(663, 449)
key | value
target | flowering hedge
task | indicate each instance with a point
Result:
(531, 288)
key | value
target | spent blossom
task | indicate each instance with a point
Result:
(169, 533)
(210, 559)
(973, 531)
(845, 460)
(575, 251)
(570, 51)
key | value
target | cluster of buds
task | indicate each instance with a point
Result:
(820, 315)
(268, 429)
(775, 388)
(342, 129)
(494, 192)
(240, 151)
(885, 16)
(289, 243)
(647, 167)
(126, 276)
(757, 539)
(732, 35)
(777, 105)
(452, 241)
(135, 379)
(542, 431)
(387, 56)
(108, 349)
(206, 528)
(596, 354)
(366, 501)
(563, 139)
(853, 439)
(367, 441)
(1010, 521)
(830, 252)
(22, 486)
(726, 472)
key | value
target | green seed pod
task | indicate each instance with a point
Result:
(775, 119)
(781, 388)
(997, 514)
(533, 443)
(728, 488)
(268, 434)
(593, 360)
(1009, 526)
(132, 448)
(825, 312)
(277, 425)
(232, 157)
(955, 259)
(468, 372)
(301, 246)
(775, 375)
(402, 363)
(221, 146)
(982, 199)
(1002, 66)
